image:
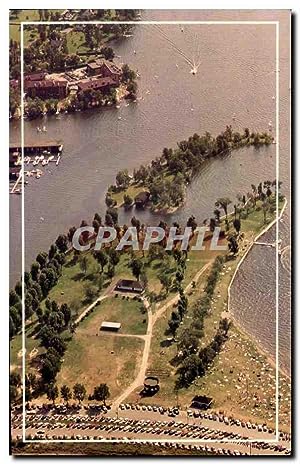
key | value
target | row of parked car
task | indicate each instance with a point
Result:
(112, 425)
(171, 412)
(160, 444)
(197, 414)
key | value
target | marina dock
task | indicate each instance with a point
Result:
(35, 153)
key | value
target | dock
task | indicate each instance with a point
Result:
(13, 190)
(30, 148)
(35, 152)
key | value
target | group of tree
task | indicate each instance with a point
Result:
(166, 176)
(189, 338)
(101, 393)
(43, 275)
(196, 364)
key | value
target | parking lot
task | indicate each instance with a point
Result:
(160, 425)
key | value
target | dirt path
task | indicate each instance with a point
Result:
(107, 292)
(139, 380)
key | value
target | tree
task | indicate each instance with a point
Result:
(165, 281)
(132, 89)
(108, 53)
(127, 73)
(66, 393)
(42, 259)
(83, 263)
(62, 243)
(191, 222)
(15, 379)
(113, 256)
(110, 271)
(174, 322)
(123, 179)
(52, 393)
(136, 266)
(13, 298)
(91, 291)
(237, 225)
(233, 245)
(128, 201)
(101, 393)
(35, 269)
(223, 203)
(52, 251)
(58, 344)
(71, 233)
(79, 392)
(187, 343)
(111, 217)
(101, 258)
(66, 312)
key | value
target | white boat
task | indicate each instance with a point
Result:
(44, 162)
(39, 129)
(119, 118)
(38, 176)
(50, 158)
(44, 129)
(118, 106)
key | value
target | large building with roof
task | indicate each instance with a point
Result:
(104, 68)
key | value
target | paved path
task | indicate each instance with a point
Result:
(139, 380)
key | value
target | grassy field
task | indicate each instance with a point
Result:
(129, 312)
(92, 359)
(102, 449)
(132, 191)
(24, 15)
(76, 42)
(73, 282)
(94, 356)
(241, 380)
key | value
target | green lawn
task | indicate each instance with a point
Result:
(72, 283)
(132, 191)
(241, 380)
(107, 358)
(129, 312)
(24, 15)
(76, 42)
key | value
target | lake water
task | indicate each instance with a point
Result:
(235, 84)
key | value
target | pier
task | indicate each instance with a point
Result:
(271, 245)
(52, 146)
(34, 153)
(14, 189)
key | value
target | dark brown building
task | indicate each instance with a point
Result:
(141, 199)
(46, 88)
(37, 76)
(103, 84)
(104, 68)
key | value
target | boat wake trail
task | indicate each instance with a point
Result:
(174, 46)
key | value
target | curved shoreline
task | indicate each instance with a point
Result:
(238, 324)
